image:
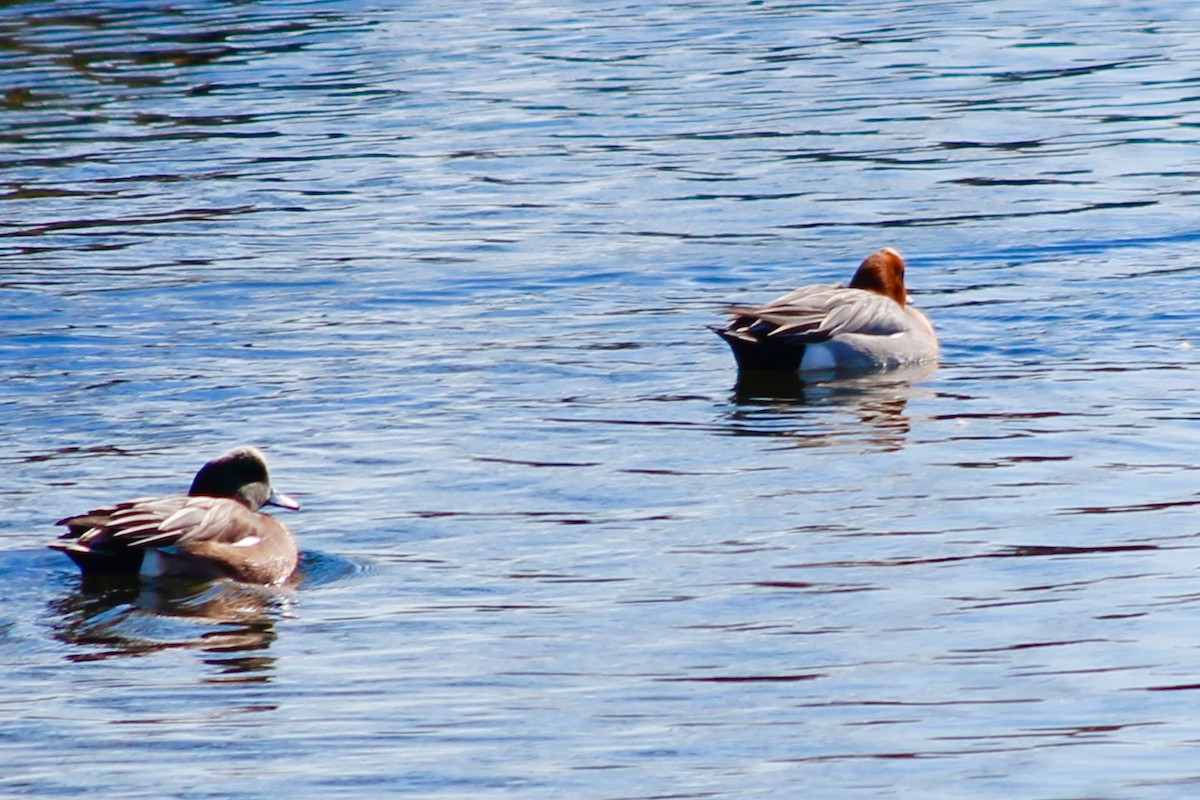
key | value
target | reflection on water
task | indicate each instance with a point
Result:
(232, 624)
(811, 410)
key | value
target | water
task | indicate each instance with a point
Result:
(451, 266)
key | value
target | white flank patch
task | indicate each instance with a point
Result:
(818, 356)
(248, 541)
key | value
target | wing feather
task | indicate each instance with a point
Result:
(818, 313)
(163, 522)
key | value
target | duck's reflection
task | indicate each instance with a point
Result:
(767, 404)
(231, 624)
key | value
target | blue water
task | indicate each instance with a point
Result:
(451, 265)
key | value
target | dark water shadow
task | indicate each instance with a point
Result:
(789, 406)
(232, 624)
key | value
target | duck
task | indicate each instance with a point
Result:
(866, 326)
(214, 531)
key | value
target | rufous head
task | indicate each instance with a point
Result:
(882, 273)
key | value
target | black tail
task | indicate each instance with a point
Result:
(763, 354)
(124, 561)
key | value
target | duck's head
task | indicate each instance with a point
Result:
(241, 475)
(882, 273)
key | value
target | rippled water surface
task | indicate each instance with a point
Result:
(451, 266)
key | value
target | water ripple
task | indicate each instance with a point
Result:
(453, 267)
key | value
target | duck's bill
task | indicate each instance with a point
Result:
(283, 501)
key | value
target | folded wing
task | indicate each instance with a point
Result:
(162, 522)
(818, 313)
